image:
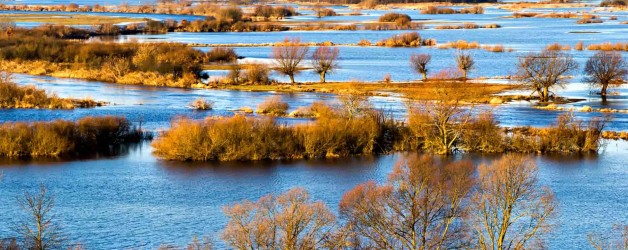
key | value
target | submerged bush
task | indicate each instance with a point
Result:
(273, 106)
(65, 138)
(409, 39)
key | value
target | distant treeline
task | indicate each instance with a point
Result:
(85, 137)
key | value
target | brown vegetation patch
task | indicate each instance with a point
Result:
(84, 137)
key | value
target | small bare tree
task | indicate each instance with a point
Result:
(288, 56)
(606, 69)
(419, 62)
(511, 210)
(288, 221)
(465, 63)
(324, 60)
(545, 70)
(39, 228)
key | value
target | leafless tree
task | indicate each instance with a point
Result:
(545, 70)
(440, 124)
(288, 221)
(420, 207)
(324, 60)
(606, 69)
(511, 210)
(419, 62)
(354, 103)
(465, 63)
(617, 240)
(39, 228)
(288, 56)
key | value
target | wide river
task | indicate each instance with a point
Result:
(137, 201)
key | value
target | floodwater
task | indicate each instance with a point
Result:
(137, 201)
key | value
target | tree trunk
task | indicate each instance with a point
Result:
(603, 92)
(545, 95)
(323, 77)
(464, 74)
(291, 78)
(424, 76)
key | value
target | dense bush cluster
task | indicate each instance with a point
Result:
(409, 39)
(242, 138)
(132, 63)
(84, 137)
(355, 129)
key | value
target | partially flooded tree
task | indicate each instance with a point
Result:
(324, 60)
(39, 228)
(288, 56)
(354, 103)
(465, 63)
(440, 124)
(545, 70)
(606, 69)
(420, 207)
(419, 62)
(288, 221)
(511, 210)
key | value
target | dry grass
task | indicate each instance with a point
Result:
(67, 19)
(460, 44)
(471, 92)
(29, 97)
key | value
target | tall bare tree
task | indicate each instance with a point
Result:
(511, 210)
(39, 228)
(420, 207)
(324, 60)
(419, 62)
(465, 63)
(606, 69)
(288, 221)
(545, 70)
(288, 56)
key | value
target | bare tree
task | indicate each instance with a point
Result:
(618, 240)
(606, 69)
(288, 56)
(420, 207)
(419, 62)
(288, 221)
(40, 229)
(512, 211)
(545, 70)
(354, 103)
(465, 63)
(440, 124)
(324, 60)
